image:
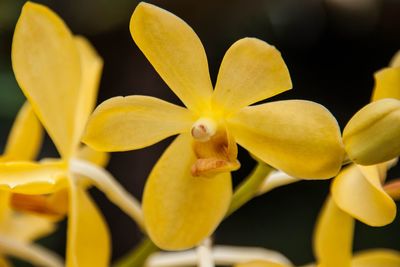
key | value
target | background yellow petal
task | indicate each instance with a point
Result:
(99, 158)
(259, 263)
(387, 84)
(333, 237)
(377, 258)
(32, 178)
(4, 205)
(373, 134)
(133, 122)
(175, 51)
(88, 240)
(26, 136)
(395, 61)
(299, 137)
(91, 67)
(251, 71)
(47, 67)
(4, 262)
(181, 210)
(358, 191)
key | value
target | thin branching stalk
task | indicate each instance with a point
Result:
(32, 253)
(113, 190)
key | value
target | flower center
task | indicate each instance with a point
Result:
(203, 129)
(214, 147)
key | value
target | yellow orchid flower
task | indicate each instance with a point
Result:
(333, 244)
(370, 138)
(59, 74)
(373, 134)
(19, 229)
(359, 191)
(300, 137)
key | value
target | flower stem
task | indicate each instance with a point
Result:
(205, 257)
(138, 256)
(37, 255)
(249, 188)
(104, 181)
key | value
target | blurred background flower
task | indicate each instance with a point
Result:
(331, 47)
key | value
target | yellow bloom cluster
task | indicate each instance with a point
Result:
(189, 191)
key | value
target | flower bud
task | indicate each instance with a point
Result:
(373, 134)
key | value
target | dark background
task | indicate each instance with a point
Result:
(331, 47)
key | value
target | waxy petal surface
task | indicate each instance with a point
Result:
(299, 137)
(387, 84)
(357, 190)
(259, 263)
(88, 241)
(25, 137)
(333, 237)
(181, 210)
(32, 178)
(373, 134)
(46, 64)
(175, 51)
(395, 61)
(133, 122)
(91, 66)
(377, 258)
(251, 71)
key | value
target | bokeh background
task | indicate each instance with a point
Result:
(331, 47)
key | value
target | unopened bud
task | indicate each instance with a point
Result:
(373, 134)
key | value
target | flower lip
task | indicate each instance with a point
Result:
(203, 129)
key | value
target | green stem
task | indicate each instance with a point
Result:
(248, 189)
(138, 256)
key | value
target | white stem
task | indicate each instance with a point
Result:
(111, 188)
(276, 179)
(204, 254)
(222, 255)
(35, 254)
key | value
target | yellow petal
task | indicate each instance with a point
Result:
(99, 158)
(377, 258)
(175, 51)
(373, 133)
(260, 263)
(181, 210)
(298, 137)
(333, 237)
(25, 137)
(32, 178)
(91, 66)
(4, 205)
(88, 240)
(4, 262)
(395, 61)
(251, 71)
(133, 122)
(387, 84)
(358, 191)
(47, 67)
